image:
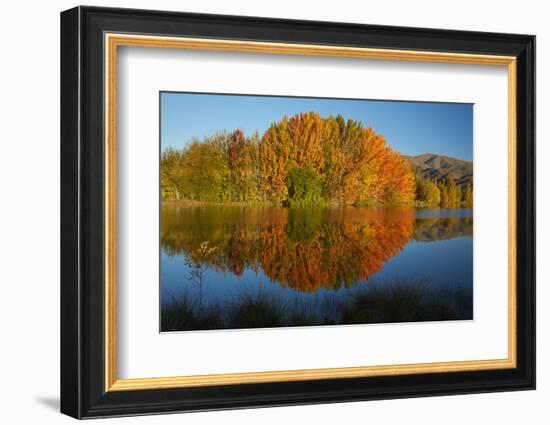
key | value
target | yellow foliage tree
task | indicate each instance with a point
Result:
(355, 164)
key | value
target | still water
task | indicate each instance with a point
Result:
(245, 267)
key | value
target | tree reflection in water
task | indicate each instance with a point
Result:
(306, 250)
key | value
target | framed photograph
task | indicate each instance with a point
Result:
(260, 212)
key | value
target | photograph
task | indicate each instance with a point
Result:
(284, 211)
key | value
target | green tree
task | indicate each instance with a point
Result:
(304, 187)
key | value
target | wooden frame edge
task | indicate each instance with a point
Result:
(114, 40)
(306, 375)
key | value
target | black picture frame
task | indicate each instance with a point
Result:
(83, 392)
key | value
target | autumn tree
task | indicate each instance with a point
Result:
(427, 192)
(338, 138)
(468, 196)
(242, 161)
(354, 164)
(223, 167)
(171, 164)
(450, 193)
(204, 173)
(292, 142)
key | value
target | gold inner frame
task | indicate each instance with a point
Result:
(113, 41)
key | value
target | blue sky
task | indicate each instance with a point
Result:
(411, 128)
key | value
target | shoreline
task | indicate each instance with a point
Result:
(195, 203)
(267, 204)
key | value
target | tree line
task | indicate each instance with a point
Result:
(300, 160)
(445, 193)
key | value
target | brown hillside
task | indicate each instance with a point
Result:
(437, 167)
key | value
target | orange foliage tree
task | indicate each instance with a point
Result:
(291, 143)
(354, 163)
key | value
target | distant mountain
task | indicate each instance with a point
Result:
(437, 167)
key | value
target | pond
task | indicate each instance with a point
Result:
(227, 267)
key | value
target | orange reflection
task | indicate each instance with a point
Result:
(304, 249)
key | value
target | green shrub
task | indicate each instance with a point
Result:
(304, 187)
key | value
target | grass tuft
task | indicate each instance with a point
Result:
(382, 302)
